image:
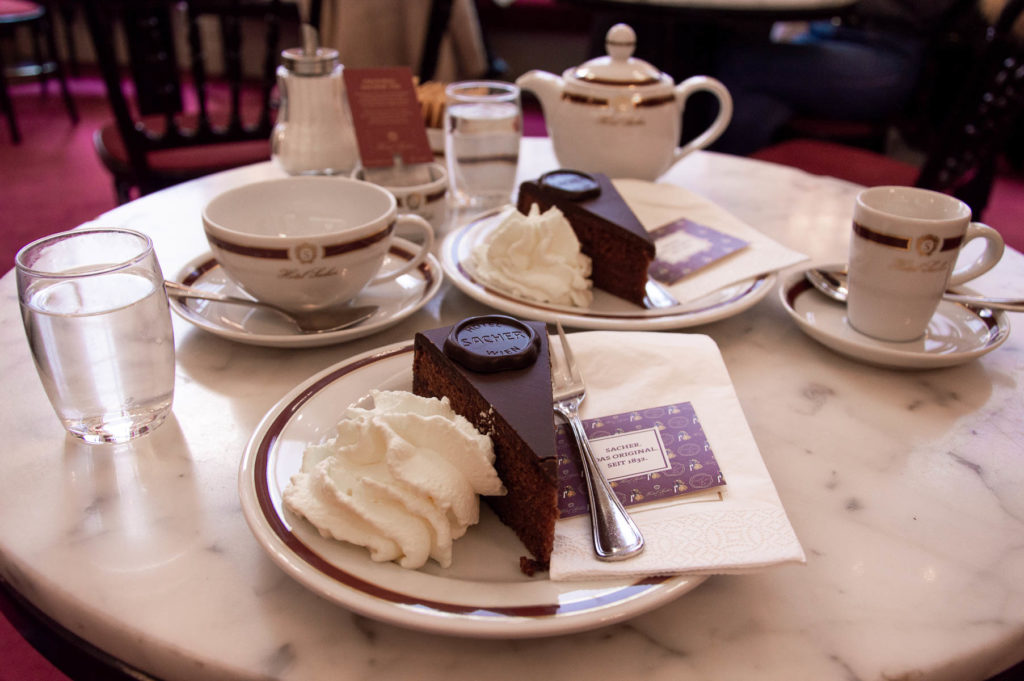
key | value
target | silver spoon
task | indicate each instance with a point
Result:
(832, 282)
(323, 321)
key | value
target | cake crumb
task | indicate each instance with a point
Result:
(529, 566)
(485, 422)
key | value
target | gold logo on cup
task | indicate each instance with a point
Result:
(306, 253)
(928, 244)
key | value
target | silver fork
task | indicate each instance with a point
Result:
(616, 536)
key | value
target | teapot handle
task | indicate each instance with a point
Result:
(721, 122)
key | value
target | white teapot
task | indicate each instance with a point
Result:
(620, 116)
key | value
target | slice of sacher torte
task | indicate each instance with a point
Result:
(496, 372)
(620, 248)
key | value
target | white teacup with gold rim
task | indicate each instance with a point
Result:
(904, 248)
(427, 198)
(308, 243)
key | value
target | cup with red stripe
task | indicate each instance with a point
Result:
(905, 250)
(310, 243)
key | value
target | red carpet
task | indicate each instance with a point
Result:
(1005, 209)
(53, 180)
(20, 660)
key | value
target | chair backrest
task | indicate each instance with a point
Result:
(194, 77)
(963, 160)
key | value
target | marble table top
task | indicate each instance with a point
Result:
(904, 487)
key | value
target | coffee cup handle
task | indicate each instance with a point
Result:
(428, 244)
(987, 260)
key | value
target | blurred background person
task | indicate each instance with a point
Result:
(864, 67)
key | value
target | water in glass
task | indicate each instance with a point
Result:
(482, 148)
(104, 349)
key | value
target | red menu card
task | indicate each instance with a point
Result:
(387, 116)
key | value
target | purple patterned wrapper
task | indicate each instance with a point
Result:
(647, 455)
(685, 246)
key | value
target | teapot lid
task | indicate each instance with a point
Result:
(619, 67)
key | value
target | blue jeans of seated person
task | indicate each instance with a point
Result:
(829, 72)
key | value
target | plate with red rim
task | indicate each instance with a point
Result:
(606, 312)
(483, 594)
(956, 334)
(397, 299)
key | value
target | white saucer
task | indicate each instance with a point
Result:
(607, 311)
(956, 334)
(482, 595)
(397, 299)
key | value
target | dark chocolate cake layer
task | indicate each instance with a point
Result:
(514, 408)
(618, 245)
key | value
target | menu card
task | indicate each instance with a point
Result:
(647, 455)
(685, 247)
(387, 117)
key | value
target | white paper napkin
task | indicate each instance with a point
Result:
(656, 205)
(747, 529)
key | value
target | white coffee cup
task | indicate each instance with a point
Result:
(903, 249)
(308, 243)
(428, 199)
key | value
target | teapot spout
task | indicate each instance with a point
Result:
(546, 86)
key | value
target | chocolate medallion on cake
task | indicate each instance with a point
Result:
(574, 185)
(492, 343)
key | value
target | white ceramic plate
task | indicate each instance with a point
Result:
(397, 299)
(606, 311)
(483, 593)
(956, 334)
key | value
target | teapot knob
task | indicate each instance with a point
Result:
(620, 41)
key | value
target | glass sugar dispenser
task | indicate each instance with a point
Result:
(314, 133)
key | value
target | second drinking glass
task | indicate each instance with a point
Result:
(483, 126)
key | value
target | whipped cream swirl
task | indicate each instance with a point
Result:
(537, 257)
(401, 478)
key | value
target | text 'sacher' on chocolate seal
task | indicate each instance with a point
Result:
(574, 185)
(491, 343)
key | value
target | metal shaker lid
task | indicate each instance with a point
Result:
(310, 63)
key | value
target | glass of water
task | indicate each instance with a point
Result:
(99, 328)
(483, 126)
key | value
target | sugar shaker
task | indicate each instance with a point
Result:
(314, 133)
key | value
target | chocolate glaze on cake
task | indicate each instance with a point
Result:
(619, 246)
(511, 404)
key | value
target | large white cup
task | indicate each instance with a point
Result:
(99, 327)
(903, 249)
(308, 243)
(483, 124)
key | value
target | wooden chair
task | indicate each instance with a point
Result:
(179, 118)
(961, 158)
(45, 59)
